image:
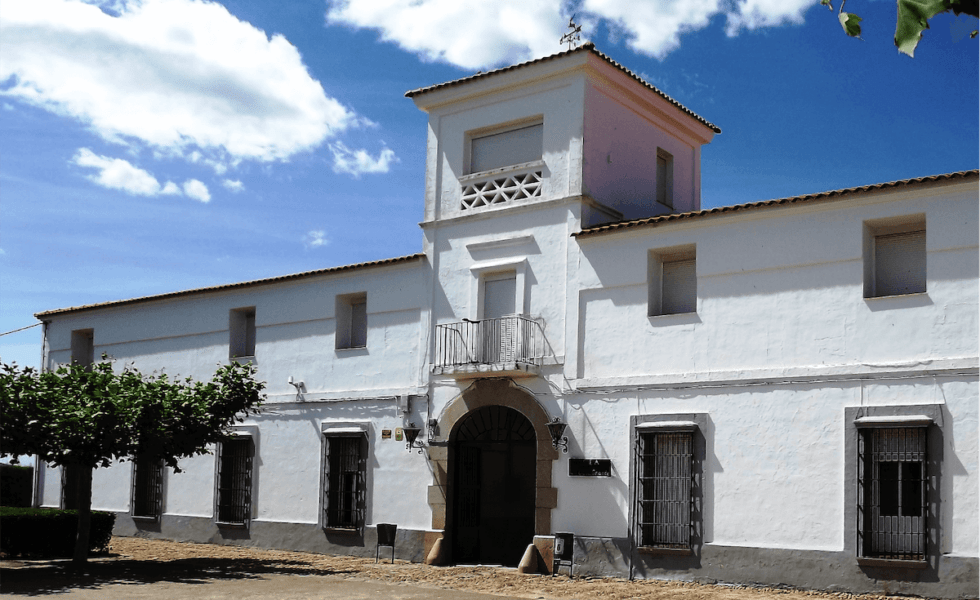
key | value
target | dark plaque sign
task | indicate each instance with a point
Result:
(589, 467)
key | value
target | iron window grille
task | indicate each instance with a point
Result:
(892, 493)
(234, 497)
(147, 492)
(344, 474)
(665, 498)
(69, 486)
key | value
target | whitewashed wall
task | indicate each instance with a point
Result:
(295, 325)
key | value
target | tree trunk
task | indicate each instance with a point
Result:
(84, 515)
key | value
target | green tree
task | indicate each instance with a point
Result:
(913, 19)
(89, 417)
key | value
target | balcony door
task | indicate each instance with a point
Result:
(497, 333)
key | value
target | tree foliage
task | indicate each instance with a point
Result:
(913, 19)
(89, 417)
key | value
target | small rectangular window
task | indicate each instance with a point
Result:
(241, 326)
(891, 478)
(665, 178)
(673, 282)
(83, 346)
(69, 486)
(895, 257)
(147, 492)
(234, 481)
(344, 469)
(351, 317)
(513, 147)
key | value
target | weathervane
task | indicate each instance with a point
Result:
(572, 36)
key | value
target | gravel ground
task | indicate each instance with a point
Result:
(177, 570)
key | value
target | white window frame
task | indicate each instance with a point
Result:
(479, 272)
(331, 431)
(656, 282)
(875, 230)
(668, 185)
(695, 424)
(485, 132)
(241, 333)
(344, 319)
(249, 433)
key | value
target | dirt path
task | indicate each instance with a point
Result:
(174, 570)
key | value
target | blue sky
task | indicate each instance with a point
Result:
(170, 144)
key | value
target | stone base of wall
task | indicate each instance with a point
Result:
(945, 577)
(410, 544)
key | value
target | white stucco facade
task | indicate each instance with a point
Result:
(784, 351)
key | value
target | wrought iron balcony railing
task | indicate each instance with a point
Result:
(516, 339)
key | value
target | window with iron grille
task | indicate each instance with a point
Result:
(664, 495)
(891, 495)
(234, 497)
(147, 492)
(69, 486)
(344, 470)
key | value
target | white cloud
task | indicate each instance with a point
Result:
(469, 34)
(315, 239)
(756, 14)
(233, 185)
(477, 33)
(358, 162)
(178, 76)
(170, 189)
(197, 190)
(117, 174)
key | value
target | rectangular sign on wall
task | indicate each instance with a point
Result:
(589, 467)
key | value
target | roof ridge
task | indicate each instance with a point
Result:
(229, 286)
(589, 47)
(628, 224)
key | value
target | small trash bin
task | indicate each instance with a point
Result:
(386, 537)
(564, 553)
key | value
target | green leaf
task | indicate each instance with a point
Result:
(850, 23)
(827, 4)
(913, 19)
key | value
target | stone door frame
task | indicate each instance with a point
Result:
(488, 392)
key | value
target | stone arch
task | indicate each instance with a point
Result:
(489, 392)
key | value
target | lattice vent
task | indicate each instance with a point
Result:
(499, 190)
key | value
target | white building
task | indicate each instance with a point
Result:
(782, 392)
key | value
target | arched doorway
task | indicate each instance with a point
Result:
(494, 456)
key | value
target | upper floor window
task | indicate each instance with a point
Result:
(241, 326)
(665, 178)
(83, 346)
(895, 257)
(503, 149)
(673, 281)
(351, 311)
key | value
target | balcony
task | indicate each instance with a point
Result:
(512, 346)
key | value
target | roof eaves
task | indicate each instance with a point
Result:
(231, 286)
(587, 47)
(652, 221)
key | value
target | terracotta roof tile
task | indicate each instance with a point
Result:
(231, 286)
(587, 47)
(650, 221)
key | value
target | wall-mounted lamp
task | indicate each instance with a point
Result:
(556, 428)
(299, 385)
(411, 434)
